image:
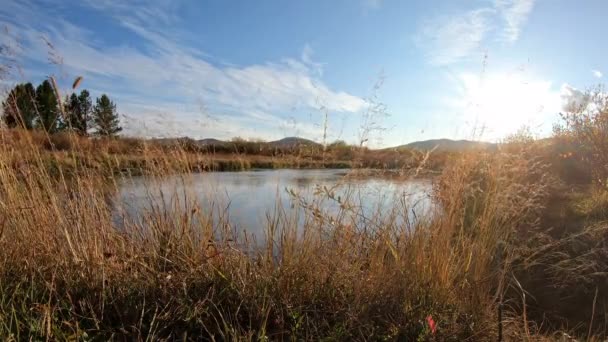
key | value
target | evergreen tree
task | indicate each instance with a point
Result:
(48, 109)
(19, 107)
(78, 111)
(105, 117)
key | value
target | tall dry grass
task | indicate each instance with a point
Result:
(177, 272)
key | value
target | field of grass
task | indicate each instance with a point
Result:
(517, 247)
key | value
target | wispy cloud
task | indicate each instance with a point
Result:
(168, 82)
(515, 14)
(597, 73)
(158, 11)
(447, 39)
(171, 119)
(372, 4)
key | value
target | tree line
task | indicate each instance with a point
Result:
(40, 108)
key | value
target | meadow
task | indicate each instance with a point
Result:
(516, 250)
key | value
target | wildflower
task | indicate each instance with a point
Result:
(431, 323)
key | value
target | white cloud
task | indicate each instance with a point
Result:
(597, 73)
(449, 39)
(307, 59)
(590, 102)
(452, 38)
(171, 119)
(515, 14)
(172, 78)
(573, 99)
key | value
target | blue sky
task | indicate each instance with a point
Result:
(271, 68)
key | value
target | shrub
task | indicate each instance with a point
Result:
(584, 129)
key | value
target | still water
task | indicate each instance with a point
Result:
(247, 198)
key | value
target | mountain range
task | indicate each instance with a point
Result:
(425, 145)
(285, 142)
(449, 145)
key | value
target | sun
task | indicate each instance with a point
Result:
(502, 103)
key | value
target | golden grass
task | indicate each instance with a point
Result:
(179, 272)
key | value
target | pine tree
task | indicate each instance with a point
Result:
(105, 117)
(19, 107)
(48, 110)
(78, 111)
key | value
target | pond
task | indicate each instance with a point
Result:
(247, 198)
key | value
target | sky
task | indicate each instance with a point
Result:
(268, 69)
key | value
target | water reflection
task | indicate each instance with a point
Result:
(249, 197)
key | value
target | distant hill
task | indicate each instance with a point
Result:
(293, 142)
(210, 141)
(282, 143)
(449, 145)
(426, 145)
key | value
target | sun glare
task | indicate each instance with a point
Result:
(503, 103)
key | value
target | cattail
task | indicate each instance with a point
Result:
(77, 82)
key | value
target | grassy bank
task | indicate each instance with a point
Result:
(516, 235)
(70, 153)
